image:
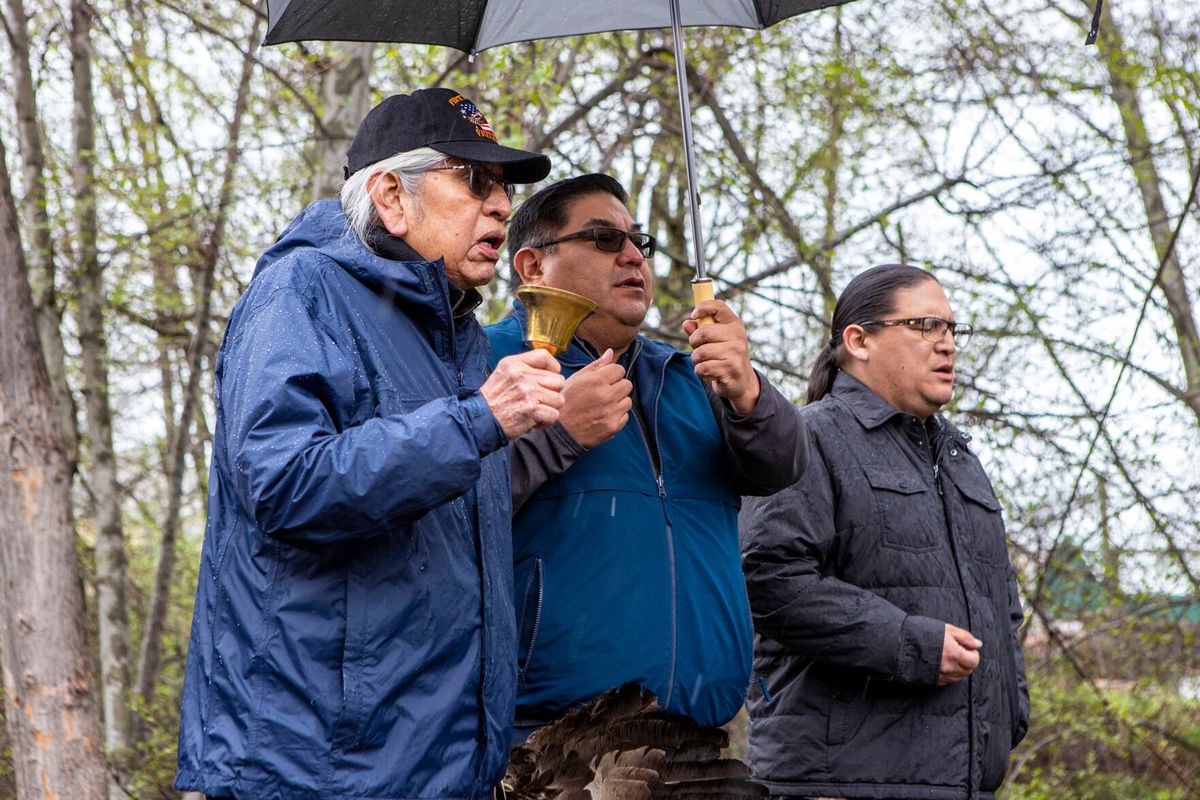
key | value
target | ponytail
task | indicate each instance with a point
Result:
(820, 380)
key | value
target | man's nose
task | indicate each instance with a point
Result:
(630, 254)
(497, 203)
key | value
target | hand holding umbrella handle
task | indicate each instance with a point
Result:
(703, 290)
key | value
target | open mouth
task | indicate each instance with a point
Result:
(633, 282)
(493, 240)
(945, 369)
(490, 244)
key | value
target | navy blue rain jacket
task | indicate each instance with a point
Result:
(353, 633)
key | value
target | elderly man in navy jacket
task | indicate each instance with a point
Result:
(353, 631)
(625, 536)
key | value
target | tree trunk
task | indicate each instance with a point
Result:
(52, 713)
(39, 247)
(113, 623)
(156, 615)
(1122, 84)
(346, 98)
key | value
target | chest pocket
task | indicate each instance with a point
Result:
(987, 524)
(907, 513)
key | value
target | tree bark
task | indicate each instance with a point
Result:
(113, 622)
(1171, 280)
(346, 98)
(40, 248)
(51, 707)
(150, 652)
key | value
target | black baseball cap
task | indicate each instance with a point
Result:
(447, 122)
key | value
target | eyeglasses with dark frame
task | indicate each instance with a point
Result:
(932, 328)
(609, 240)
(480, 180)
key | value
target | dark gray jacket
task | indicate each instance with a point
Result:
(852, 574)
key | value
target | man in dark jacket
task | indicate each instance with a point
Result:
(625, 537)
(886, 610)
(353, 633)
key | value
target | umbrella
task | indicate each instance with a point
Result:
(475, 25)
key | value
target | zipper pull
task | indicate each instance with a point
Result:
(936, 478)
(662, 491)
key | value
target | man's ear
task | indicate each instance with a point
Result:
(528, 264)
(854, 340)
(389, 198)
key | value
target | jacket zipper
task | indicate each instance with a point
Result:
(537, 617)
(456, 368)
(655, 467)
(935, 456)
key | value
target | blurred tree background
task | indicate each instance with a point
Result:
(154, 149)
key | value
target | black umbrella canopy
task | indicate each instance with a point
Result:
(475, 25)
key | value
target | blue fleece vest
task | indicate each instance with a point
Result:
(624, 575)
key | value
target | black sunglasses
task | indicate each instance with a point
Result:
(610, 240)
(480, 180)
(931, 328)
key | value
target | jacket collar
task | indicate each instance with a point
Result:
(463, 302)
(872, 411)
(869, 409)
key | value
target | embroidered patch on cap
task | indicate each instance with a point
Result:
(474, 116)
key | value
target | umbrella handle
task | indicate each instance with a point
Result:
(703, 290)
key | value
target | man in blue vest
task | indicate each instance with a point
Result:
(625, 511)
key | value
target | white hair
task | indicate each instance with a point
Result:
(409, 167)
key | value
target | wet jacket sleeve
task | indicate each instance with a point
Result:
(786, 540)
(303, 471)
(767, 448)
(1016, 619)
(538, 456)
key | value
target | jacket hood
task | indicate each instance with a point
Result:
(322, 226)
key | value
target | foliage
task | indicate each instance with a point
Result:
(1078, 749)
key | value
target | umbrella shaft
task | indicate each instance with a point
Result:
(686, 109)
